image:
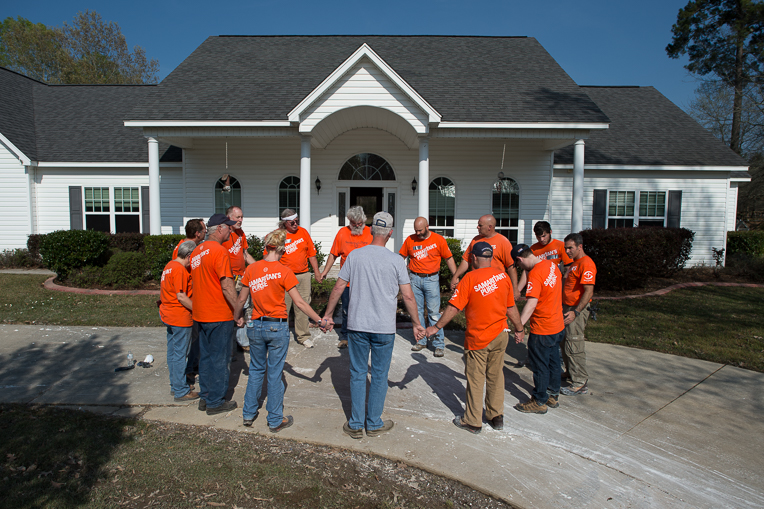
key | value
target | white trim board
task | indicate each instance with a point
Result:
(648, 167)
(13, 149)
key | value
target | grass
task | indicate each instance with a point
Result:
(718, 324)
(24, 300)
(59, 458)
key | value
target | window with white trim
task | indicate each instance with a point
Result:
(623, 212)
(115, 209)
(506, 208)
(289, 194)
(227, 193)
(442, 206)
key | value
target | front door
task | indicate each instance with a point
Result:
(370, 198)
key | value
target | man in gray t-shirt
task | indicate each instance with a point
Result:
(375, 275)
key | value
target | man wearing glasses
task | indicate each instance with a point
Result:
(351, 237)
(299, 251)
(237, 249)
(213, 302)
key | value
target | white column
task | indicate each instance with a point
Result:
(424, 177)
(305, 183)
(577, 215)
(155, 210)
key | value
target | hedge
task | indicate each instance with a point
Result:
(749, 243)
(627, 257)
(63, 251)
(158, 250)
(455, 245)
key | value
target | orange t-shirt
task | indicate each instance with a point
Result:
(554, 251)
(484, 294)
(210, 262)
(425, 255)
(582, 272)
(544, 282)
(268, 282)
(345, 242)
(298, 248)
(175, 278)
(236, 245)
(502, 251)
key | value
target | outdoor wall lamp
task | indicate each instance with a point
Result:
(318, 185)
(413, 186)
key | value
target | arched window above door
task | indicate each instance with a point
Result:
(506, 207)
(366, 167)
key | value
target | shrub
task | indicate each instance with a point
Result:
(33, 245)
(66, 250)
(455, 245)
(132, 242)
(320, 256)
(256, 247)
(17, 259)
(322, 289)
(627, 257)
(749, 243)
(87, 277)
(158, 249)
(125, 270)
(743, 265)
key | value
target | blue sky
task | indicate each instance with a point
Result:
(597, 42)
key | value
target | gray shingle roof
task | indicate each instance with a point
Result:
(17, 110)
(648, 129)
(467, 79)
(74, 123)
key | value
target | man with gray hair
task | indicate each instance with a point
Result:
(299, 251)
(351, 237)
(375, 276)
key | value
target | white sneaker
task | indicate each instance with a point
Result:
(308, 343)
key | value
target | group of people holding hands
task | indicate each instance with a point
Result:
(213, 288)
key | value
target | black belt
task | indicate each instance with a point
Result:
(301, 273)
(269, 319)
(425, 275)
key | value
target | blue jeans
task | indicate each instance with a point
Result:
(192, 366)
(178, 346)
(268, 346)
(428, 289)
(381, 348)
(345, 299)
(214, 361)
(544, 352)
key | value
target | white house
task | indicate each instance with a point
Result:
(448, 128)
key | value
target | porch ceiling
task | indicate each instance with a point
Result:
(359, 117)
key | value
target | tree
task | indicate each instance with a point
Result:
(724, 38)
(87, 51)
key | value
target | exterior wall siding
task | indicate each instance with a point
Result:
(702, 193)
(14, 201)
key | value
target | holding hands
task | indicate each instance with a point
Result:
(419, 332)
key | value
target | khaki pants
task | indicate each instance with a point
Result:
(485, 368)
(301, 321)
(573, 349)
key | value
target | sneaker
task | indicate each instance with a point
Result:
(308, 343)
(288, 421)
(531, 407)
(418, 347)
(342, 344)
(202, 405)
(354, 433)
(439, 352)
(249, 422)
(575, 391)
(497, 422)
(552, 401)
(190, 396)
(386, 426)
(227, 406)
(463, 425)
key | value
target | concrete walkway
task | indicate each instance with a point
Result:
(656, 430)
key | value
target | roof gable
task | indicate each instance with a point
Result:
(17, 111)
(379, 84)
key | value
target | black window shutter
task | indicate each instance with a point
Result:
(75, 208)
(145, 210)
(599, 208)
(673, 220)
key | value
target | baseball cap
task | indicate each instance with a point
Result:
(218, 219)
(482, 249)
(383, 220)
(518, 250)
